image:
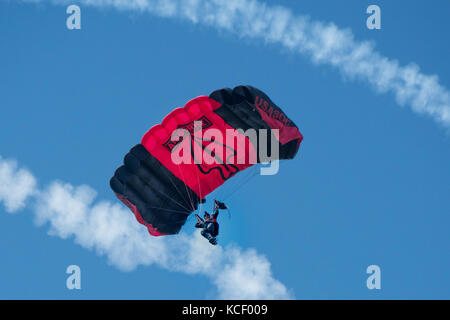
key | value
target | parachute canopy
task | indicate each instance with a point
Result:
(196, 149)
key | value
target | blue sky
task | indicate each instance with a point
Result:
(369, 186)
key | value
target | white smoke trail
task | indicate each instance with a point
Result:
(16, 185)
(324, 43)
(112, 231)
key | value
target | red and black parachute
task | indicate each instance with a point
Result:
(161, 193)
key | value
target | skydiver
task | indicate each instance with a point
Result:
(209, 224)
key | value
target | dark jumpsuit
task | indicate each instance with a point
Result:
(210, 226)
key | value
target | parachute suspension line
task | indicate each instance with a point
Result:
(245, 179)
(187, 191)
(165, 209)
(173, 200)
(230, 184)
(170, 198)
(200, 191)
(176, 188)
(180, 193)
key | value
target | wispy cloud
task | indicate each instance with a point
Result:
(112, 231)
(324, 43)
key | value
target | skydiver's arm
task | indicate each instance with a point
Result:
(216, 213)
(200, 223)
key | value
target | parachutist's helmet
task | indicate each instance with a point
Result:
(206, 215)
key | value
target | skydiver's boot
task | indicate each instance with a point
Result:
(213, 241)
(205, 234)
(208, 236)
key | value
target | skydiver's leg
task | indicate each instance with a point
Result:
(211, 228)
(206, 234)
